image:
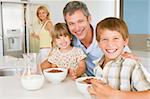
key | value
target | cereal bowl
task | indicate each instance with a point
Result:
(82, 84)
(55, 75)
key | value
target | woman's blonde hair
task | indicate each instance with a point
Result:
(42, 8)
(113, 24)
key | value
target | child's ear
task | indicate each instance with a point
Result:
(127, 41)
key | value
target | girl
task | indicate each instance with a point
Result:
(64, 54)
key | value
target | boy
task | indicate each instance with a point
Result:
(119, 73)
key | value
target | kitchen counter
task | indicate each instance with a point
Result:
(11, 88)
(11, 62)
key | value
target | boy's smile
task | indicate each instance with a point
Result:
(112, 43)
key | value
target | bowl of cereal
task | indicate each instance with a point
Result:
(83, 83)
(55, 75)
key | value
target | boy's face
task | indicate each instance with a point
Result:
(112, 43)
(78, 24)
(63, 42)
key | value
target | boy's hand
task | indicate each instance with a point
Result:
(101, 90)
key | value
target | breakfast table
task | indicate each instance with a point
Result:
(11, 87)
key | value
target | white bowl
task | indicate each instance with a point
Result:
(82, 86)
(55, 77)
(32, 82)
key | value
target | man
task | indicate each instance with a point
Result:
(78, 19)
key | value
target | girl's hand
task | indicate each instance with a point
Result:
(72, 73)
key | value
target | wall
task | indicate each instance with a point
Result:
(136, 13)
(99, 9)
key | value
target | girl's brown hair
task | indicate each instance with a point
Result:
(60, 29)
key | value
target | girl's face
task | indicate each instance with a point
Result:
(63, 42)
(112, 44)
(42, 14)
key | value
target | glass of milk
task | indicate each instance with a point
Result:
(31, 77)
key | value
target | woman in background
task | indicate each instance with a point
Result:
(44, 34)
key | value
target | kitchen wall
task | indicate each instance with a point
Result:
(99, 9)
(137, 15)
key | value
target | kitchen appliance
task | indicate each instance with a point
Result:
(13, 42)
(16, 18)
(13, 28)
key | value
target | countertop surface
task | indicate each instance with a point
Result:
(11, 88)
(11, 62)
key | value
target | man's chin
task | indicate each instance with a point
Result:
(81, 38)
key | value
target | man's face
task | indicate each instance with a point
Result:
(78, 24)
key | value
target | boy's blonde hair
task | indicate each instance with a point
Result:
(60, 29)
(113, 24)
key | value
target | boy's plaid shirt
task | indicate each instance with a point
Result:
(123, 74)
